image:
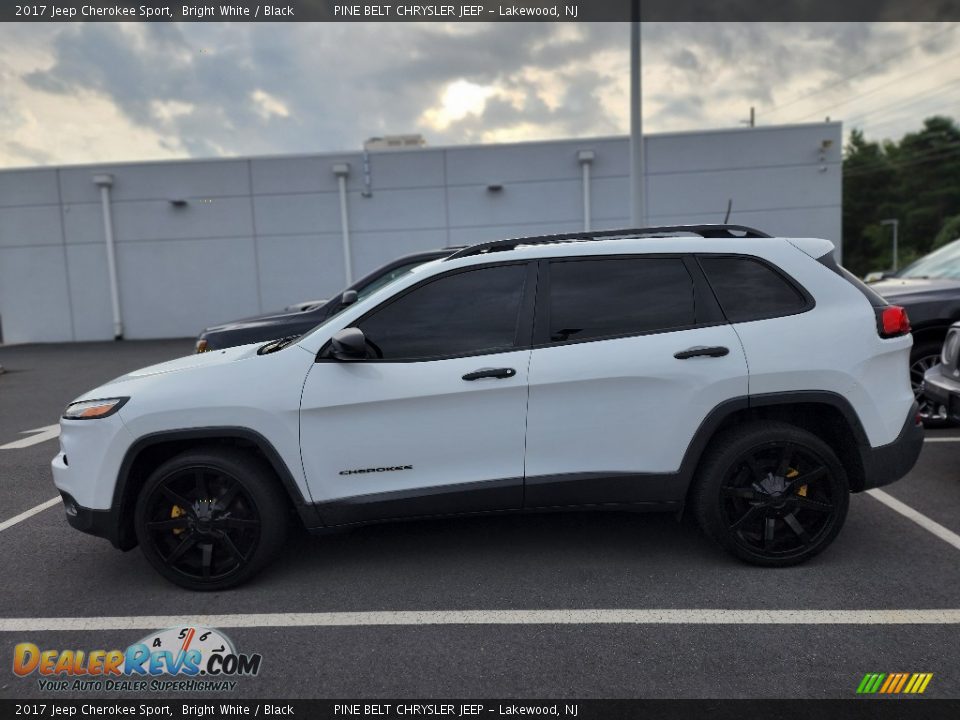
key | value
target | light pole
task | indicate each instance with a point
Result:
(638, 211)
(896, 226)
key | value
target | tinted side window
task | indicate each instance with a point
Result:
(618, 296)
(869, 293)
(751, 290)
(458, 314)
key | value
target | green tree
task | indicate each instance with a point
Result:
(948, 233)
(915, 179)
(868, 177)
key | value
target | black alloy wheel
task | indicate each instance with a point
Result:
(209, 520)
(779, 499)
(772, 494)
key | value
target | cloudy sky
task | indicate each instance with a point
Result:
(73, 93)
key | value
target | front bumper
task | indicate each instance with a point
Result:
(100, 523)
(888, 463)
(85, 473)
(943, 390)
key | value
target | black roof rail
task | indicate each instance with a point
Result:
(706, 231)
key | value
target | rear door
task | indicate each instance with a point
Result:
(631, 353)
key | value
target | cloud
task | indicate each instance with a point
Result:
(31, 155)
(102, 91)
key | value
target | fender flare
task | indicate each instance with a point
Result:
(305, 508)
(715, 418)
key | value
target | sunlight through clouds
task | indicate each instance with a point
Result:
(267, 105)
(459, 99)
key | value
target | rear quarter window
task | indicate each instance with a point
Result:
(750, 289)
(875, 299)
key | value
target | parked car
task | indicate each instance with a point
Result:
(930, 291)
(941, 383)
(306, 305)
(747, 378)
(300, 318)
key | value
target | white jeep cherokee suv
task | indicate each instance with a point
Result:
(744, 377)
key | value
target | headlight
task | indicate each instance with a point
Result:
(92, 409)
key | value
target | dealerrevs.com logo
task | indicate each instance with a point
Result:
(173, 660)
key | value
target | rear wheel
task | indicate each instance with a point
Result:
(209, 519)
(771, 494)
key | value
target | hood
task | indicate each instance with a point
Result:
(207, 359)
(906, 288)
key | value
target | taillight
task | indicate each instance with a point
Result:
(892, 321)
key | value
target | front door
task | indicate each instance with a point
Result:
(433, 421)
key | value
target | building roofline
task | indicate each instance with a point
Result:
(426, 149)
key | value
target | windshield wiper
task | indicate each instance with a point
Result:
(275, 345)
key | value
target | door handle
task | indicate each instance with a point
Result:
(701, 351)
(498, 373)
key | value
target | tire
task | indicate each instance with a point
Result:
(211, 518)
(923, 357)
(746, 502)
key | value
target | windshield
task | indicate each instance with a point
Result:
(378, 283)
(387, 278)
(941, 263)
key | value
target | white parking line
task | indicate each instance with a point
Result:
(946, 616)
(942, 439)
(48, 432)
(29, 513)
(922, 520)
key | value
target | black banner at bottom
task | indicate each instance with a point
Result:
(872, 709)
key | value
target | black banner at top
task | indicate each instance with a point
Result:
(480, 10)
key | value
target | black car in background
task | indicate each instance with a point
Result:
(299, 319)
(930, 291)
(941, 384)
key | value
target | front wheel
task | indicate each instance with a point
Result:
(209, 519)
(771, 494)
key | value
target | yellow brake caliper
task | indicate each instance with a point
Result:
(802, 490)
(176, 511)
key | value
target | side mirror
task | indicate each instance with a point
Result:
(349, 344)
(349, 297)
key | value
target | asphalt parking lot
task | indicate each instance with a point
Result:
(704, 624)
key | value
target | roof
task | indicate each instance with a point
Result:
(703, 231)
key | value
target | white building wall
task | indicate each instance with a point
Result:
(257, 234)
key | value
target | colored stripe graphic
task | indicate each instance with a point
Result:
(870, 683)
(891, 682)
(894, 683)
